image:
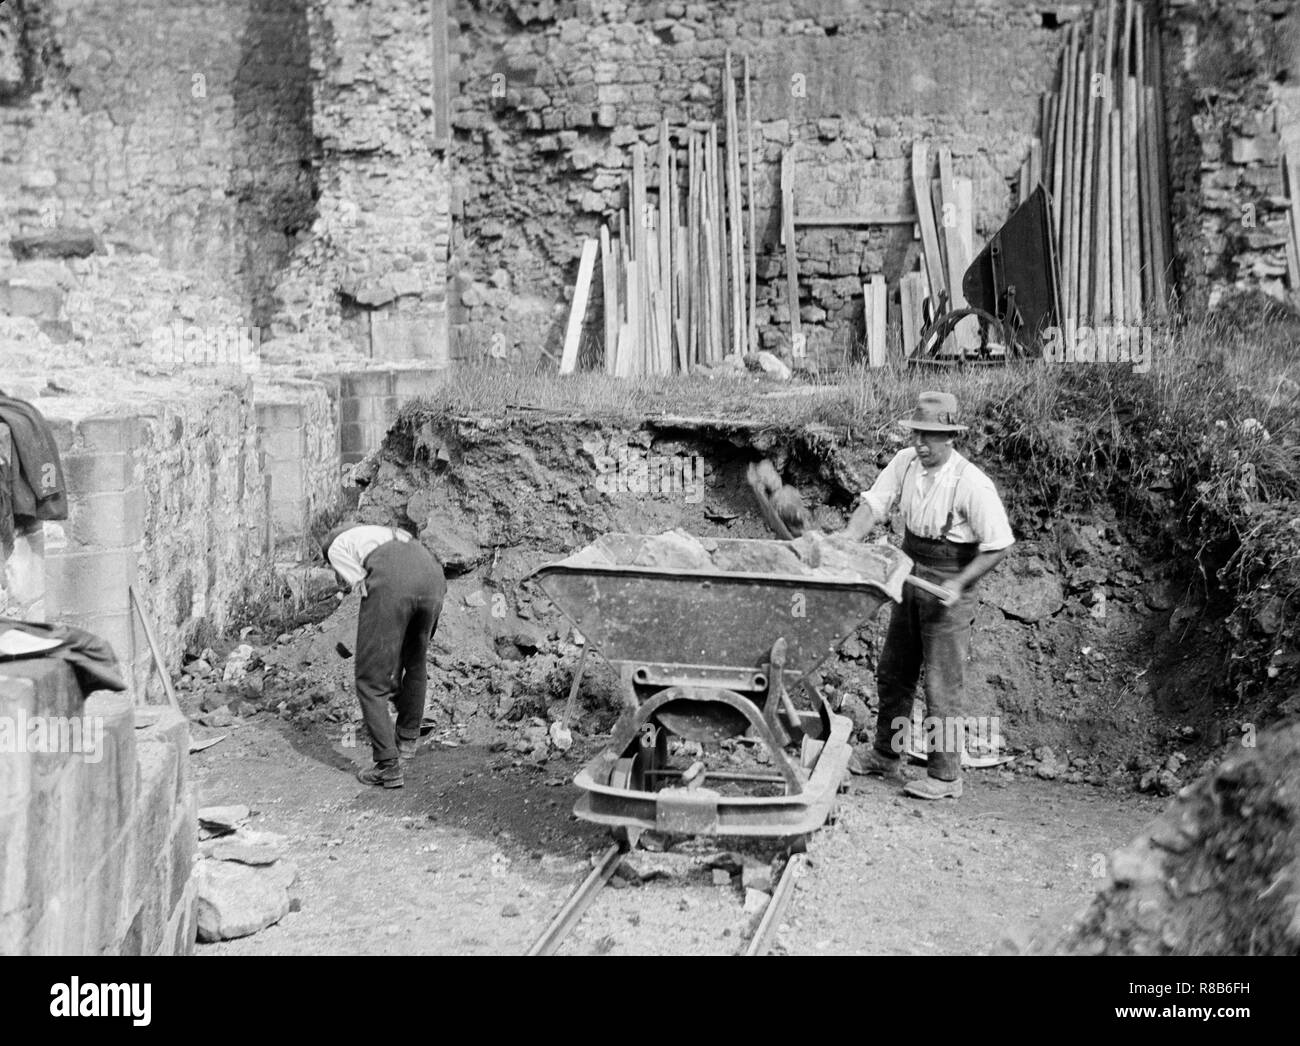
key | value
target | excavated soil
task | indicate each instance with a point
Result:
(1090, 658)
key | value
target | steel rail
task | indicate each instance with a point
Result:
(776, 906)
(564, 922)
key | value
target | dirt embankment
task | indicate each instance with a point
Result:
(1093, 655)
(1216, 873)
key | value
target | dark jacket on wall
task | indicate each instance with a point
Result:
(91, 657)
(36, 477)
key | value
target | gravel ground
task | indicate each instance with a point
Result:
(480, 849)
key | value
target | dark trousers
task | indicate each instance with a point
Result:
(925, 633)
(404, 593)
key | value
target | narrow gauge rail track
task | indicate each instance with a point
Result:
(570, 914)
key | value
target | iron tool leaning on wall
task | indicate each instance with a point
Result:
(402, 589)
(956, 531)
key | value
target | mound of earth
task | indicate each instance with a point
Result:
(1218, 873)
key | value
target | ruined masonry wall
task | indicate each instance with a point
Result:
(1231, 71)
(373, 270)
(551, 95)
(174, 127)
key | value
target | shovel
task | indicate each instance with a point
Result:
(760, 477)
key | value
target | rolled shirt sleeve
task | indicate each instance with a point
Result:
(986, 515)
(343, 558)
(888, 488)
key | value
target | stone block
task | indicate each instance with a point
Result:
(15, 931)
(13, 861)
(51, 842)
(108, 520)
(1264, 148)
(60, 243)
(97, 473)
(182, 926)
(111, 434)
(354, 439)
(286, 483)
(184, 845)
(119, 629)
(365, 384)
(90, 582)
(284, 444)
(275, 416)
(98, 903)
(33, 300)
(373, 409)
(170, 727)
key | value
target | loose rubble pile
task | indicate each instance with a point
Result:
(245, 884)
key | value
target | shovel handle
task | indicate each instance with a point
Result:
(938, 591)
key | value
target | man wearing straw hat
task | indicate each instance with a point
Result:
(402, 588)
(955, 531)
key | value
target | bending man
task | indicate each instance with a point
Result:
(402, 588)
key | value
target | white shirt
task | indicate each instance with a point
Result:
(348, 551)
(925, 498)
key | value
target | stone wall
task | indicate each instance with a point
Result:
(551, 96)
(373, 270)
(166, 497)
(97, 845)
(178, 128)
(1231, 70)
(298, 439)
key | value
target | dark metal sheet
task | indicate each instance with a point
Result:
(1022, 254)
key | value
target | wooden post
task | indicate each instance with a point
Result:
(906, 294)
(1077, 136)
(1063, 167)
(1157, 63)
(1088, 202)
(874, 307)
(956, 237)
(925, 218)
(752, 333)
(1118, 230)
(1146, 219)
(1132, 251)
(666, 224)
(609, 285)
(569, 358)
(791, 263)
(637, 221)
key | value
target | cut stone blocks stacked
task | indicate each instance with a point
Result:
(90, 571)
(369, 401)
(97, 847)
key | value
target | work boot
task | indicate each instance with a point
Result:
(387, 774)
(406, 747)
(866, 760)
(933, 788)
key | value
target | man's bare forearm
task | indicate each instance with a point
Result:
(979, 566)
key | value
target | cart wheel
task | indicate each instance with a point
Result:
(652, 756)
(621, 775)
(809, 751)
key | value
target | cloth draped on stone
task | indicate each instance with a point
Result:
(90, 656)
